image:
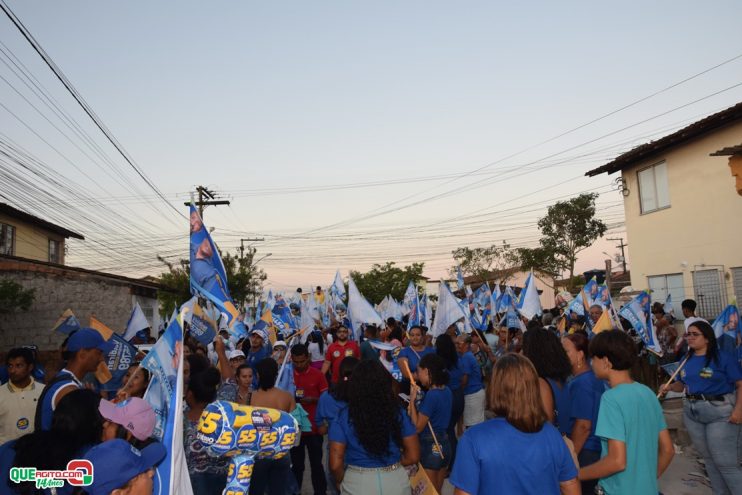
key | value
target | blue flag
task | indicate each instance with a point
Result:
(637, 313)
(67, 323)
(118, 362)
(459, 278)
(727, 328)
(208, 277)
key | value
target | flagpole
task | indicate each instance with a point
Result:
(659, 394)
(413, 384)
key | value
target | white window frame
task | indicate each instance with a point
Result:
(58, 246)
(655, 192)
(3, 228)
(677, 291)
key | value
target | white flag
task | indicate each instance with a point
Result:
(449, 312)
(360, 310)
(529, 304)
(137, 321)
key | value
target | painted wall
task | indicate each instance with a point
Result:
(701, 229)
(32, 242)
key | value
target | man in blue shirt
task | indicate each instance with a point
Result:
(256, 351)
(86, 349)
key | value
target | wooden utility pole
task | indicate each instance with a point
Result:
(621, 247)
(203, 192)
(248, 239)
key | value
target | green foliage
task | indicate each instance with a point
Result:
(480, 262)
(568, 228)
(14, 297)
(386, 279)
(538, 258)
(244, 279)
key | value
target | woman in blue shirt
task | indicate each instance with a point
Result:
(413, 352)
(518, 451)
(546, 353)
(585, 392)
(712, 409)
(373, 437)
(331, 402)
(445, 348)
(435, 410)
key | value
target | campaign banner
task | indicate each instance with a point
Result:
(388, 357)
(728, 328)
(638, 314)
(208, 277)
(118, 362)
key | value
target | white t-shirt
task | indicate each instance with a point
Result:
(314, 353)
(687, 322)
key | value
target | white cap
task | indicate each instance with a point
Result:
(280, 343)
(235, 354)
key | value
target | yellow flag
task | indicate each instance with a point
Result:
(603, 323)
(268, 319)
(102, 328)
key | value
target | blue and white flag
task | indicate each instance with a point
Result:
(118, 361)
(459, 278)
(603, 297)
(727, 328)
(137, 321)
(667, 308)
(208, 277)
(507, 300)
(165, 394)
(426, 311)
(270, 301)
(338, 287)
(360, 311)
(201, 326)
(529, 303)
(637, 313)
(67, 323)
(449, 312)
(388, 357)
(496, 296)
(415, 314)
(577, 305)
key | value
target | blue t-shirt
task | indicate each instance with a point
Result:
(631, 413)
(413, 357)
(436, 405)
(328, 408)
(469, 366)
(496, 457)
(585, 391)
(342, 431)
(454, 376)
(718, 378)
(562, 404)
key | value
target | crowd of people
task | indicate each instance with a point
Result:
(547, 410)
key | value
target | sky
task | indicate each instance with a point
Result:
(345, 133)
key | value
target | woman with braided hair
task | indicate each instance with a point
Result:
(373, 436)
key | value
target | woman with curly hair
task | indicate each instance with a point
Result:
(373, 437)
(546, 353)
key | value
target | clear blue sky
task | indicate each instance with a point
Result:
(246, 96)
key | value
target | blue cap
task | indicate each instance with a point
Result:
(115, 462)
(87, 338)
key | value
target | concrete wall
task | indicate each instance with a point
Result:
(56, 290)
(701, 228)
(32, 242)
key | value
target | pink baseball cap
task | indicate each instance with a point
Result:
(134, 414)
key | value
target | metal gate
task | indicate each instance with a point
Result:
(737, 284)
(710, 291)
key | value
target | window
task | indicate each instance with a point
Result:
(737, 283)
(709, 287)
(653, 191)
(7, 239)
(662, 285)
(55, 253)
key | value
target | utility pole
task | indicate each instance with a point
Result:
(248, 239)
(621, 247)
(203, 192)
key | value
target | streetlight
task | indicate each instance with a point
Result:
(261, 259)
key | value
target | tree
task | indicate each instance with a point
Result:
(244, 280)
(568, 228)
(480, 262)
(386, 279)
(537, 258)
(14, 297)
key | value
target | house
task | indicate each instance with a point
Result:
(683, 214)
(32, 255)
(27, 236)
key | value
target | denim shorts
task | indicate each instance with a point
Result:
(430, 456)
